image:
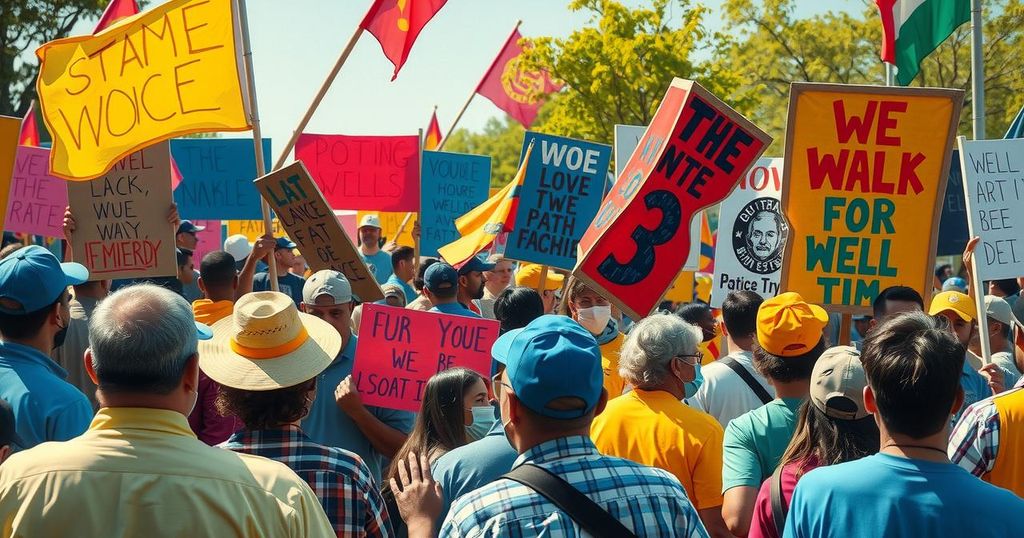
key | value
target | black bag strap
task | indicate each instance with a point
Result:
(747, 378)
(586, 513)
(779, 508)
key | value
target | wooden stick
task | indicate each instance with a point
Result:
(845, 325)
(416, 240)
(543, 280)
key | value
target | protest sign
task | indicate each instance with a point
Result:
(37, 199)
(254, 229)
(453, 184)
(390, 223)
(561, 193)
(171, 70)
(626, 139)
(690, 157)
(9, 130)
(208, 240)
(314, 228)
(993, 183)
(216, 178)
(862, 187)
(375, 173)
(121, 218)
(751, 235)
(953, 234)
(348, 222)
(400, 349)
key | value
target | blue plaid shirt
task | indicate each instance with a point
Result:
(649, 501)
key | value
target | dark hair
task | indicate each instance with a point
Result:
(786, 369)
(516, 306)
(1008, 286)
(400, 254)
(10, 249)
(20, 326)
(695, 312)
(217, 269)
(739, 312)
(573, 288)
(913, 366)
(894, 293)
(418, 281)
(828, 440)
(940, 271)
(445, 293)
(265, 409)
(182, 255)
(8, 432)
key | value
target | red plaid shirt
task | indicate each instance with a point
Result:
(339, 478)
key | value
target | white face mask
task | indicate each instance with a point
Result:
(595, 318)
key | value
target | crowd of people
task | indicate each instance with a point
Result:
(140, 407)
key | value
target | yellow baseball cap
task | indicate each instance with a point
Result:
(787, 326)
(528, 275)
(956, 302)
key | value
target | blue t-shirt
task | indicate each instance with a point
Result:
(287, 283)
(975, 388)
(454, 308)
(889, 496)
(471, 466)
(380, 265)
(409, 291)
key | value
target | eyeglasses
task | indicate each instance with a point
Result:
(496, 385)
(698, 357)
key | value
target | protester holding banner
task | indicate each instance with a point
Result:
(443, 286)
(529, 275)
(287, 283)
(594, 313)
(495, 281)
(376, 259)
(403, 270)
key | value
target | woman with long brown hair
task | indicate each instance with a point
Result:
(593, 311)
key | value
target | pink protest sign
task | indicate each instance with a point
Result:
(209, 240)
(392, 367)
(37, 199)
(375, 173)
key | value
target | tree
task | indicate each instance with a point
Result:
(502, 139)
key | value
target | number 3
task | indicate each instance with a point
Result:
(637, 268)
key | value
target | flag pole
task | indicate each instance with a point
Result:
(416, 239)
(977, 71)
(889, 75)
(472, 94)
(257, 137)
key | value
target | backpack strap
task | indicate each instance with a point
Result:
(779, 508)
(747, 378)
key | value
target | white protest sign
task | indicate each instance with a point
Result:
(993, 172)
(751, 235)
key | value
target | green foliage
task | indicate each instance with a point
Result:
(501, 139)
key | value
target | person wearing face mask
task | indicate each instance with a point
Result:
(594, 313)
(34, 318)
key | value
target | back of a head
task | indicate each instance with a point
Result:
(141, 338)
(418, 281)
(1008, 286)
(894, 293)
(695, 312)
(182, 255)
(517, 306)
(739, 313)
(913, 365)
(217, 269)
(402, 253)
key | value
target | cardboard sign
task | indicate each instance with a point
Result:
(208, 240)
(752, 235)
(121, 218)
(253, 229)
(453, 184)
(691, 156)
(561, 193)
(390, 223)
(953, 232)
(216, 178)
(37, 199)
(375, 173)
(314, 228)
(862, 186)
(993, 172)
(9, 131)
(627, 137)
(400, 349)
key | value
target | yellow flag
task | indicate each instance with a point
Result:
(166, 72)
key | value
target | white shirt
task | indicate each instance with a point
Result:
(724, 395)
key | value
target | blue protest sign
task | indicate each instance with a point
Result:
(953, 233)
(452, 184)
(216, 178)
(561, 194)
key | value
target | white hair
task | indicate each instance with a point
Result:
(651, 345)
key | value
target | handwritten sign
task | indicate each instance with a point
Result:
(694, 152)
(315, 229)
(390, 222)
(453, 184)
(170, 71)
(253, 229)
(375, 173)
(751, 235)
(37, 199)
(627, 137)
(208, 240)
(993, 172)
(216, 178)
(392, 365)
(953, 231)
(9, 130)
(121, 218)
(561, 193)
(862, 188)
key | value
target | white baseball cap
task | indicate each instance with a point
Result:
(238, 246)
(998, 309)
(370, 220)
(327, 282)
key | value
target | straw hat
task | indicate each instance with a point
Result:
(268, 344)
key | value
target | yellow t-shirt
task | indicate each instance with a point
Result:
(656, 429)
(209, 312)
(613, 382)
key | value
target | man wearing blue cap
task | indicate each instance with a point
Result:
(471, 283)
(288, 283)
(34, 316)
(441, 285)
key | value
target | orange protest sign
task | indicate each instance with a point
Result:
(9, 129)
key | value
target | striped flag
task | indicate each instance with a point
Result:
(29, 134)
(912, 29)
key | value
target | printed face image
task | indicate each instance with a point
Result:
(764, 235)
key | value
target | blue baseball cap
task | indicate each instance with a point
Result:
(284, 242)
(475, 264)
(32, 277)
(187, 227)
(440, 276)
(552, 357)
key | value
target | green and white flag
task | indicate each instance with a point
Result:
(912, 29)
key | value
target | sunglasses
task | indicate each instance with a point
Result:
(697, 358)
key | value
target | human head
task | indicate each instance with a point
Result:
(1007, 287)
(418, 281)
(516, 307)
(471, 278)
(529, 275)
(34, 296)
(764, 234)
(299, 265)
(1001, 320)
(186, 267)
(284, 254)
(8, 432)
(959, 310)
(327, 295)
(739, 315)
(238, 246)
(913, 367)
(441, 283)
(789, 337)
(583, 304)
(499, 278)
(266, 409)
(699, 314)
(369, 232)
(943, 272)
(186, 237)
(895, 300)
(403, 262)
(862, 324)
(661, 353)
(217, 277)
(955, 284)
(393, 295)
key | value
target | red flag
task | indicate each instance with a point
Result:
(433, 133)
(29, 134)
(397, 23)
(519, 93)
(116, 10)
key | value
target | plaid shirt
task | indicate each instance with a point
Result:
(975, 439)
(339, 478)
(649, 501)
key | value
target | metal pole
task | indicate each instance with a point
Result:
(977, 71)
(890, 75)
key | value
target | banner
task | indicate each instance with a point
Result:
(373, 173)
(393, 366)
(253, 229)
(691, 156)
(9, 132)
(314, 228)
(208, 240)
(169, 71)
(121, 218)
(390, 223)
(993, 172)
(453, 184)
(862, 189)
(216, 178)
(561, 194)
(37, 200)
(627, 137)
(953, 233)
(751, 235)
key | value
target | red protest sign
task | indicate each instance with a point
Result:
(392, 366)
(373, 173)
(37, 199)
(690, 157)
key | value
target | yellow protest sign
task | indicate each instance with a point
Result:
(390, 222)
(169, 71)
(253, 229)
(9, 128)
(863, 183)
